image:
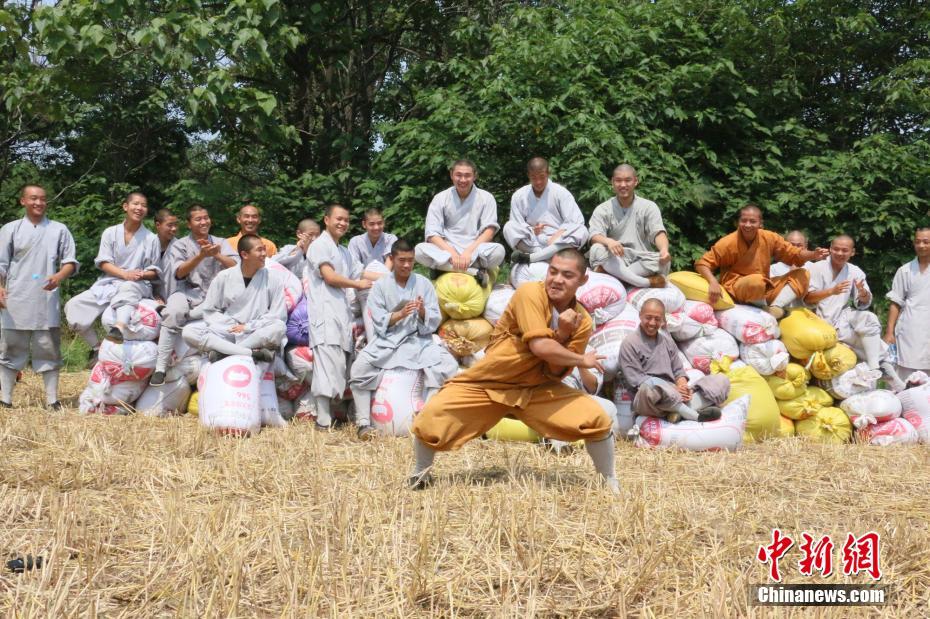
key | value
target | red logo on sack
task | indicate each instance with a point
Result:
(649, 431)
(381, 410)
(148, 317)
(237, 376)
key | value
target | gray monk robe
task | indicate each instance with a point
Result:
(556, 208)
(654, 361)
(636, 227)
(29, 253)
(460, 222)
(230, 302)
(142, 252)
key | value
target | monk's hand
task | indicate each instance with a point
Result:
(592, 360)
(464, 260)
(237, 329)
(555, 237)
(888, 339)
(52, 282)
(714, 292)
(664, 256)
(822, 252)
(615, 247)
(539, 228)
(421, 308)
(862, 293)
(841, 288)
(683, 389)
(363, 284)
(303, 240)
(568, 322)
(2, 297)
(212, 250)
(133, 275)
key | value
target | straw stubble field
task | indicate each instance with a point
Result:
(157, 517)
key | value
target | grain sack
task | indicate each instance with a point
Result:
(293, 288)
(164, 400)
(230, 396)
(786, 429)
(872, 407)
(298, 326)
(287, 409)
(724, 434)
(670, 296)
(512, 430)
(131, 360)
(603, 296)
(497, 302)
(832, 362)
(915, 407)
(465, 337)
(805, 405)
(144, 321)
(857, 380)
(694, 319)
(397, 400)
(791, 385)
(268, 398)
(608, 337)
(898, 431)
(299, 360)
(694, 287)
(702, 350)
(523, 273)
(828, 425)
(767, 358)
(460, 295)
(193, 404)
(763, 418)
(748, 324)
(805, 333)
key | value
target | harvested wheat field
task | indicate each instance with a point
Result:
(157, 517)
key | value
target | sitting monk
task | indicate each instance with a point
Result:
(842, 297)
(743, 258)
(405, 313)
(460, 225)
(294, 257)
(650, 366)
(244, 311)
(544, 218)
(539, 338)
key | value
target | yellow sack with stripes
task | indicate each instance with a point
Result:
(828, 425)
(791, 385)
(763, 419)
(694, 287)
(830, 363)
(465, 337)
(803, 332)
(460, 295)
(806, 405)
(513, 430)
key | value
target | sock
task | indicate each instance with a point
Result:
(686, 412)
(616, 267)
(547, 252)
(50, 379)
(785, 297)
(424, 456)
(323, 415)
(362, 401)
(225, 347)
(602, 455)
(166, 341)
(7, 382)
(698, 402)
(872, 346)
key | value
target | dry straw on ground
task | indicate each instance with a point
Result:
(157, 517)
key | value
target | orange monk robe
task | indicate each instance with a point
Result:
(270, 248)
(744, 267)
(511, 380)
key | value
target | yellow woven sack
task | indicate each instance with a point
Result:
(786, 429)
(466, 337)
(460, 295)
(829, 425)
(804, 406)
(832, 362)
(694, 287)
(823, 398)
(790, 386)
(804, 333)
(513, 430)
(763, 419)
(193, 404)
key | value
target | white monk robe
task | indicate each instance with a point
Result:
(408, 343)
(259, 306)
(910, 289)
(29, 254)
(363, 251)
(556, 209)
(330, 322)
(460, 222)
(187, 293)
(142, 252)
(636, 228)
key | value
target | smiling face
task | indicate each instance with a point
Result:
(167, 229)
(249, 219)
(841, 250)
(34, 201)
(539, 180)
(563, 279)
(374, 226)
(253, 258)
(652, 317)
(403, 264)
(463, 178)
(136, 208)
(922, 244)
(199, 223)
(624, 182)
(749, 223)
(337, 222)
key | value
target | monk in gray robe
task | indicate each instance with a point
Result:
(460, 225)
(405, 313)
(650, 366)
(36, 255)
(244, 312)
(908, 325)
(544, 218)
(628, 238)
(195, 261)
(375, 244)
(166, 228)
(294, 257)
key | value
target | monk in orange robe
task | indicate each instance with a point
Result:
(743, 259)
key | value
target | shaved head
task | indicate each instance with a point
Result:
(843, 237)
(537, 164)
(625, 168)
(749, 208)
(653, 304)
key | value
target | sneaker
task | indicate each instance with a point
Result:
(5, 404)
(92, 357)
(656, 281)
(321, 428)
(482, 277)
(55, 406)
(709, 413)
(115, 335)
(776, 312)
(262, 354)
(519, 257)
(157, 380)
(365, 433)
(420, 481)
